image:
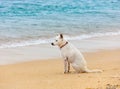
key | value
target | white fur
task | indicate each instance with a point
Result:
(72, 56)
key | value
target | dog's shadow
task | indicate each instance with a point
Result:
(73, 73)
(69, 73)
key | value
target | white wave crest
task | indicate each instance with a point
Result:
(44, 41)
(92, 35)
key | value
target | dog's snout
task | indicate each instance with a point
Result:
(52, 43)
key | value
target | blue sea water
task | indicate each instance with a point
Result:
(30, 22)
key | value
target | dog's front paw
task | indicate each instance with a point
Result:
(66, 72)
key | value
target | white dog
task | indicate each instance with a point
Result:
(71, 55)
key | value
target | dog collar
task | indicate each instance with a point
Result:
(64, 45)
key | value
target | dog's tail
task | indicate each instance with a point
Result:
(93, 71)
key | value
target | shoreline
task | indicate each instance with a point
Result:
(89, 53)
(46, 51)
(48, 74)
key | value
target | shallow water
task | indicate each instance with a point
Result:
(31, 22)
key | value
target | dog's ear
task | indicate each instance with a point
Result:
(61, 36)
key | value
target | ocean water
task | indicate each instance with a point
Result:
(31, 22)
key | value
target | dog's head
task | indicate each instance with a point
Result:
(59, 40)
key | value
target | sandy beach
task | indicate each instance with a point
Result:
(48, 74)
(28, 27)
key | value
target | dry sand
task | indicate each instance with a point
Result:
(48, 74)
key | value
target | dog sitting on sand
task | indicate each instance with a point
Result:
(72, 56)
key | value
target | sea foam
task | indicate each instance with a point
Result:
(49, 40)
